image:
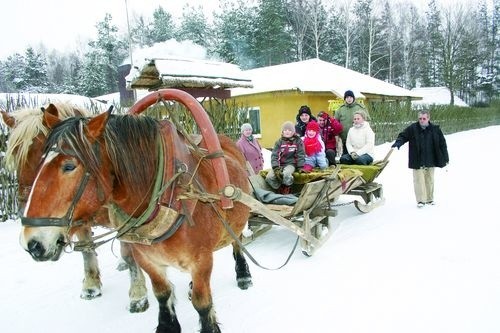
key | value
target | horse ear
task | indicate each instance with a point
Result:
(8, 119)
(96, 125)
(50, 116)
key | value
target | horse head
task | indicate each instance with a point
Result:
(83, 168)
(28, 130)
(62, 187)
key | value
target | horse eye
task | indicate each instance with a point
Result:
(69, 166)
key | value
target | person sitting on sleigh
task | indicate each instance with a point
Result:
(314, 148)
(287, 156)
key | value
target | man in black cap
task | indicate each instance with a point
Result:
(345, 115)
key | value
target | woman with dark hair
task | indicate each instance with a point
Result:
(303, 117)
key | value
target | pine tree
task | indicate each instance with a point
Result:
(140, 33)
(194, 27)
(100, 69)
(35, 72)
(162, 28)
(432, 75)
(234, 36)
(14, 73)
(335, 47)
(273, 44)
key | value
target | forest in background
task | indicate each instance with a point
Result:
(457, 47)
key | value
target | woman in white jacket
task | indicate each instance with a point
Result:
(360, 142)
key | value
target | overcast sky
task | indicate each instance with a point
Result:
(63, 24)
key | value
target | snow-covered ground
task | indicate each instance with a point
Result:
(397, 269)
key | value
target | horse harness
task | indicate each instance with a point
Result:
(162, 217)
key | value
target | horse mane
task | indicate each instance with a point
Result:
(28, 125)
(130, 142)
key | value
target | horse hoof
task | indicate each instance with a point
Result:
(139, 306)
(90, 293)
(245, 283)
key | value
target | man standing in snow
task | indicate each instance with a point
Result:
(427, 150)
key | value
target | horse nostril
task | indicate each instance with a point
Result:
(35, 248)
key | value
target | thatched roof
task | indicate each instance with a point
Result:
(188, 73)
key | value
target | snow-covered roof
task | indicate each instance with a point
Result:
(181, 64)
(32, 99)
(188, 73)
(316, 75)
(113, 98)
(436, 96)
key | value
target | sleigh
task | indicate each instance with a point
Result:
(312, 216)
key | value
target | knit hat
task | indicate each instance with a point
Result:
(246, 126)
(349, 93)
(288, 125)
(305, 109)
(312, 126)
(323, 114)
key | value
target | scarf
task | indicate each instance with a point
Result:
(312, 145)
(250, 138)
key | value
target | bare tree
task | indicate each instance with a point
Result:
(411, 32)
(317, 23)
(298, 19)
(348, 33)
(458, 33)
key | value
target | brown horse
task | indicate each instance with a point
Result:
(140, 168)
(27, 137)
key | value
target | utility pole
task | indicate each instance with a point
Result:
(130, 47)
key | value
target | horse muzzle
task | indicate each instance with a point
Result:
(43, 246)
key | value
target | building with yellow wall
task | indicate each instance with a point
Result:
(279, 91)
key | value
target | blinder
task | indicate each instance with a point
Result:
(66, 220)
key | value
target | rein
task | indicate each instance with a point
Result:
(128, 222)
(203, 196)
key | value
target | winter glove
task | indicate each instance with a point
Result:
(354, 156)
(395, 145)
(278, 172)
(306, 168)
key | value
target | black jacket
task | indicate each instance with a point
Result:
(427, 147)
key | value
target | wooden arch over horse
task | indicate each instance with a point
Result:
(204, 124)
(134, 164)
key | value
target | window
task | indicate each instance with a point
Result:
(254, 120)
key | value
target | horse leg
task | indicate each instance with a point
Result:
(201, 295)
(164, 293)
(243, 276)
(138, 293)
(92, 277)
